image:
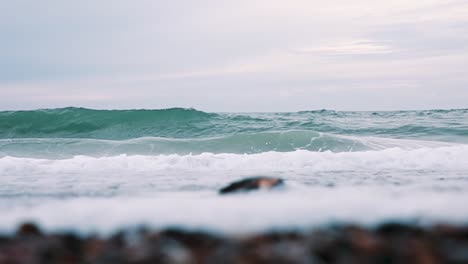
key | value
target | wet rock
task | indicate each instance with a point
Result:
(276, 247)
(202, 245)
(423, 252)
(400, 230)
(93, 249)
(254, 183)
(28, 229)
(449, 231)
(363, 241)
(388, 243)
(453, 242)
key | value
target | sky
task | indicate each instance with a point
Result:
(243, 55)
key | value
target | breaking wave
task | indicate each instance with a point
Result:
(278, 141)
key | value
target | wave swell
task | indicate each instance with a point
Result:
(286, 141)
(447, 125)
(106, 124)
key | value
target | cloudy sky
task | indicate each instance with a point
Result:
(243, 55)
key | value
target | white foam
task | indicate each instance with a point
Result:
(287, 209)
(442, 158)
(102, 194)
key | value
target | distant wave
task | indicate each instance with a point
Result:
(82, 123)
(439, 125)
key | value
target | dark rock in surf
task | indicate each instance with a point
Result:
(28, 229)
(250, 184)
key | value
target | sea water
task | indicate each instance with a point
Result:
(102, 170)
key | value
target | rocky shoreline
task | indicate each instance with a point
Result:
(387, 243)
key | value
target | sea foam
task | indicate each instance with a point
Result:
(441, 158)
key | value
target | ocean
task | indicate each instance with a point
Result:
(101, 170)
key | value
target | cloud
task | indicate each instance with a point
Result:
(353, 47)
(209, 53)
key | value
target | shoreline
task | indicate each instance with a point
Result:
(390, 242)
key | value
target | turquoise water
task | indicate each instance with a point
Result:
(68, 132)
(450, 125)
(111, 168)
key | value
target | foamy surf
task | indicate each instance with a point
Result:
(296, 162)
(111, 169)
(289, 209)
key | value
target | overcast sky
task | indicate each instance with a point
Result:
(243, 55)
